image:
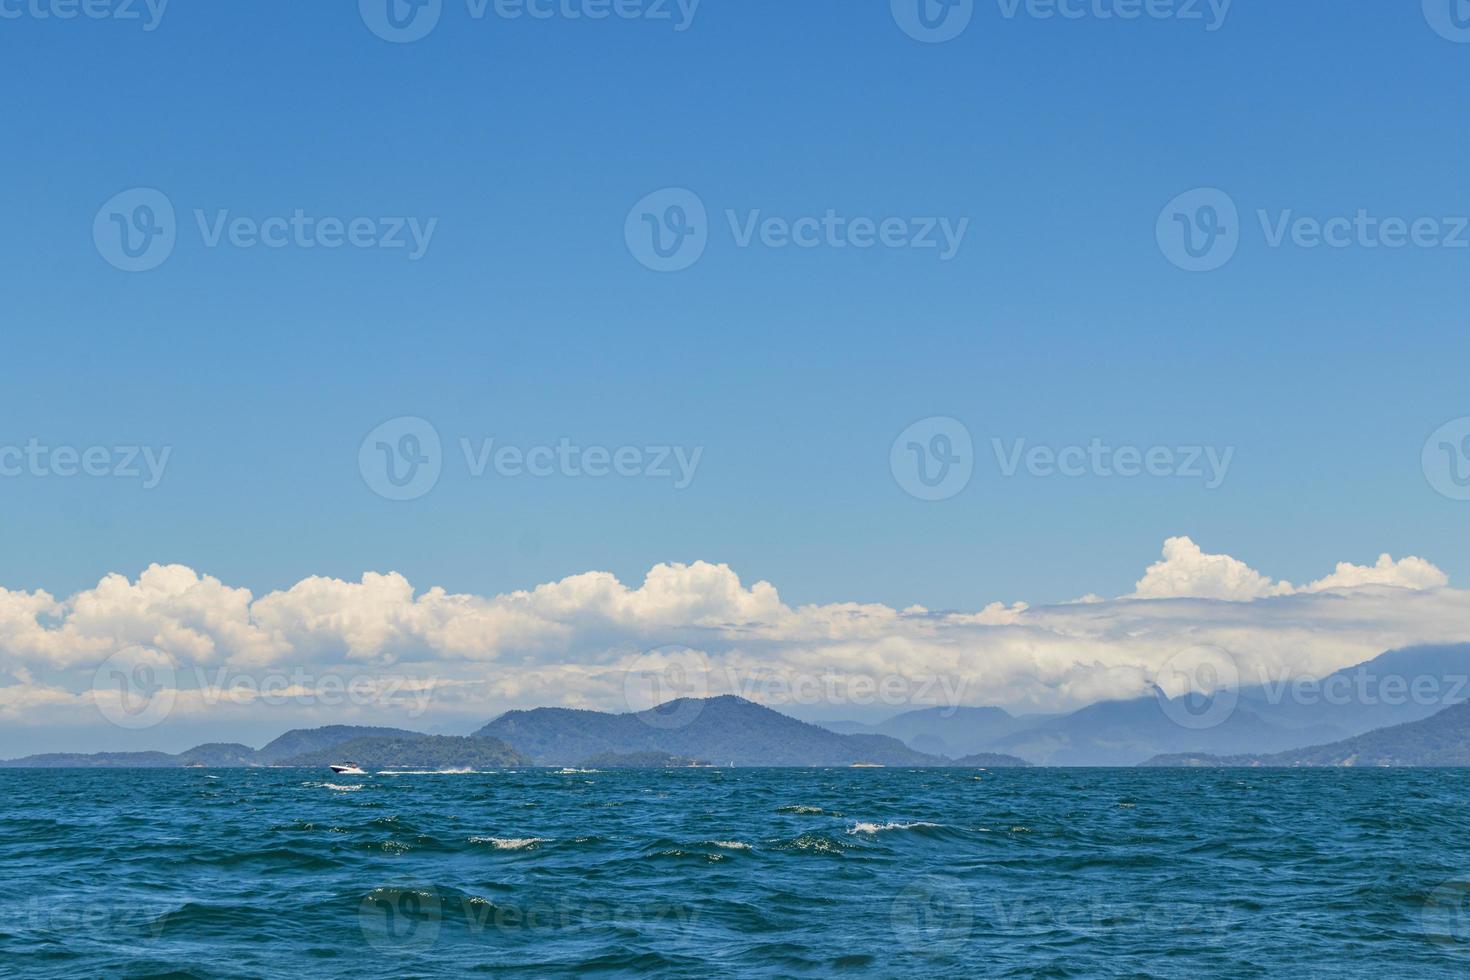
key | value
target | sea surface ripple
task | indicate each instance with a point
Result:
(728, 872)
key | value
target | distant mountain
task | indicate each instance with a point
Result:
(1393, 688)
(215, 755)
(1441, 740)
(945, 731)
(300, 741)
(94, 760)
(639, 760)
(722, 729)
(415, 752)
(989, 760)
(220, 755)
(1124, 733)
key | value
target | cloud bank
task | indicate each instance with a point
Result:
(577, 641)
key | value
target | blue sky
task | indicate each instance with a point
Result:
(527, 320)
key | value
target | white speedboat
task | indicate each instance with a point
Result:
(349, 769)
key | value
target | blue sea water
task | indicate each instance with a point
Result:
(701, 873)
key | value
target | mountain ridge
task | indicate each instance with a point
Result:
(1440, 741)
(724, 729)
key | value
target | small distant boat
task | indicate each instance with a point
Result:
(867, 765)
(348, 769)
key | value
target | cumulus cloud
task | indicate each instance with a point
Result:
(1410, 573)
(1186, 571)
(575, 641)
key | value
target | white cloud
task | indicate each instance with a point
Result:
(570, 642)
(1410, 573)
(1186, 571)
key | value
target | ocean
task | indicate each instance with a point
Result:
(727, 872)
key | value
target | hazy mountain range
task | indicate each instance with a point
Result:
(1441, 740)
(723, 730)
(1394, 688)
(378, 748)
(1288, 724)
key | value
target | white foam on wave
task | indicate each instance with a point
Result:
(574, 772)
(510, 843)
(872, 827)
(338, 787)
(731, 845)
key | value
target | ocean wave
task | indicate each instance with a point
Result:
(730, 845)
(811, 844)
(567, 771)
(338, 787)
(511, 843)
(799, 808)
(872, 827)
